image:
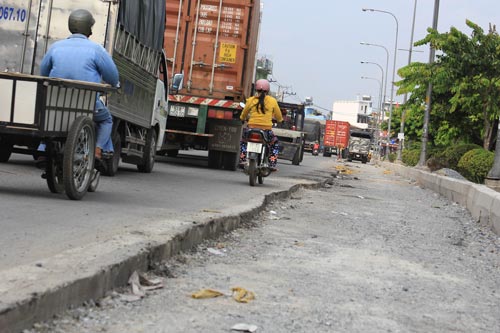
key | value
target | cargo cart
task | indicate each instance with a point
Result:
(57, 112)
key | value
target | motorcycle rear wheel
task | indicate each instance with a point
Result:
(252, 172)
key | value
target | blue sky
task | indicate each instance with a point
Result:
(315, 44)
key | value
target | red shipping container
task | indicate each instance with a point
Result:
(214, 44)
(336, 134)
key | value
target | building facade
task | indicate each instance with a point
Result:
(357, 112)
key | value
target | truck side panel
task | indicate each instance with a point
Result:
(214, 44)
(28, 29)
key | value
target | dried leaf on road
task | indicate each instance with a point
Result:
(206, 293)
(242, 295)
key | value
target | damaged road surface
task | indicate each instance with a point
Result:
(371, 252)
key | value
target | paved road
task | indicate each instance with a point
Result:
(36, 223)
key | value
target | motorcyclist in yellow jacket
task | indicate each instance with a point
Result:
(260, 110)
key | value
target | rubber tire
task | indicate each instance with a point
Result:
(252, 172)
(74, 190)
(148, 159)
(172, 152)
(55, 176)
(214, 159)
(260, 179)
(94, 182)
(296, 158)
(113, 163)
(5, 151)
(230, 160)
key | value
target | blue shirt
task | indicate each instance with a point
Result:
(78, 58)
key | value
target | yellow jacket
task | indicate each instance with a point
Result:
(258, 119)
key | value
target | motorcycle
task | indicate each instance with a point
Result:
(257, 156)
(315, 152)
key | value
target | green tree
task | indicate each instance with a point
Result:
(466, 87)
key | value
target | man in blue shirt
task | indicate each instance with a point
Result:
(78, 58)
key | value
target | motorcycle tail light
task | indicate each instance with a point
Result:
(255, 137)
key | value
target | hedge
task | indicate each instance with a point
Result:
(475, 164)
(452, 155)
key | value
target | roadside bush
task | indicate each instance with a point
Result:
(475, 164)
(452, 155)
(411, 157)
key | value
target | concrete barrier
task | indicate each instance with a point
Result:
(482, 202)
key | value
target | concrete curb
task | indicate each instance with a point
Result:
(34, 293)
(482, 202)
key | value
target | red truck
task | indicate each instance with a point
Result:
(336, 137)
(211, 48)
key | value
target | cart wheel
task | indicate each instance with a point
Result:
(54, 174)
(78, 163)
(148, 159)
(95, 181)
(5, 150)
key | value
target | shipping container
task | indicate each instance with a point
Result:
(336, 136)
(211, 50)
(214, 44)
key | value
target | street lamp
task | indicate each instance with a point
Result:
(386, 72)
(405, 99)
(428, 101)
(374, 63)
(393, 68)
(381, 69)
(380, 103)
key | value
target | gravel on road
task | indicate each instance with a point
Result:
(371, 252)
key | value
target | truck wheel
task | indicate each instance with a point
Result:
(172, 152)
(214, 159)
(5, 150)
(296, 157)
(230, 161)
(78, 161)
(112, 164)
(148, 159)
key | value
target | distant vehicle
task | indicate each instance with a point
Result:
(312, 132)
(289, 132)
(359, 146)
(336, 137)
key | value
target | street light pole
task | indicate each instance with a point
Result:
(405, 99)
(393, 71)
(374, 63)
(425, 130)
(386, 74)
(377, 122)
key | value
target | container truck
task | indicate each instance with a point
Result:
(289, 132)
(336, 137)
(132, 32)
(211, 48)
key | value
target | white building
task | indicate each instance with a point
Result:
(357, 112)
